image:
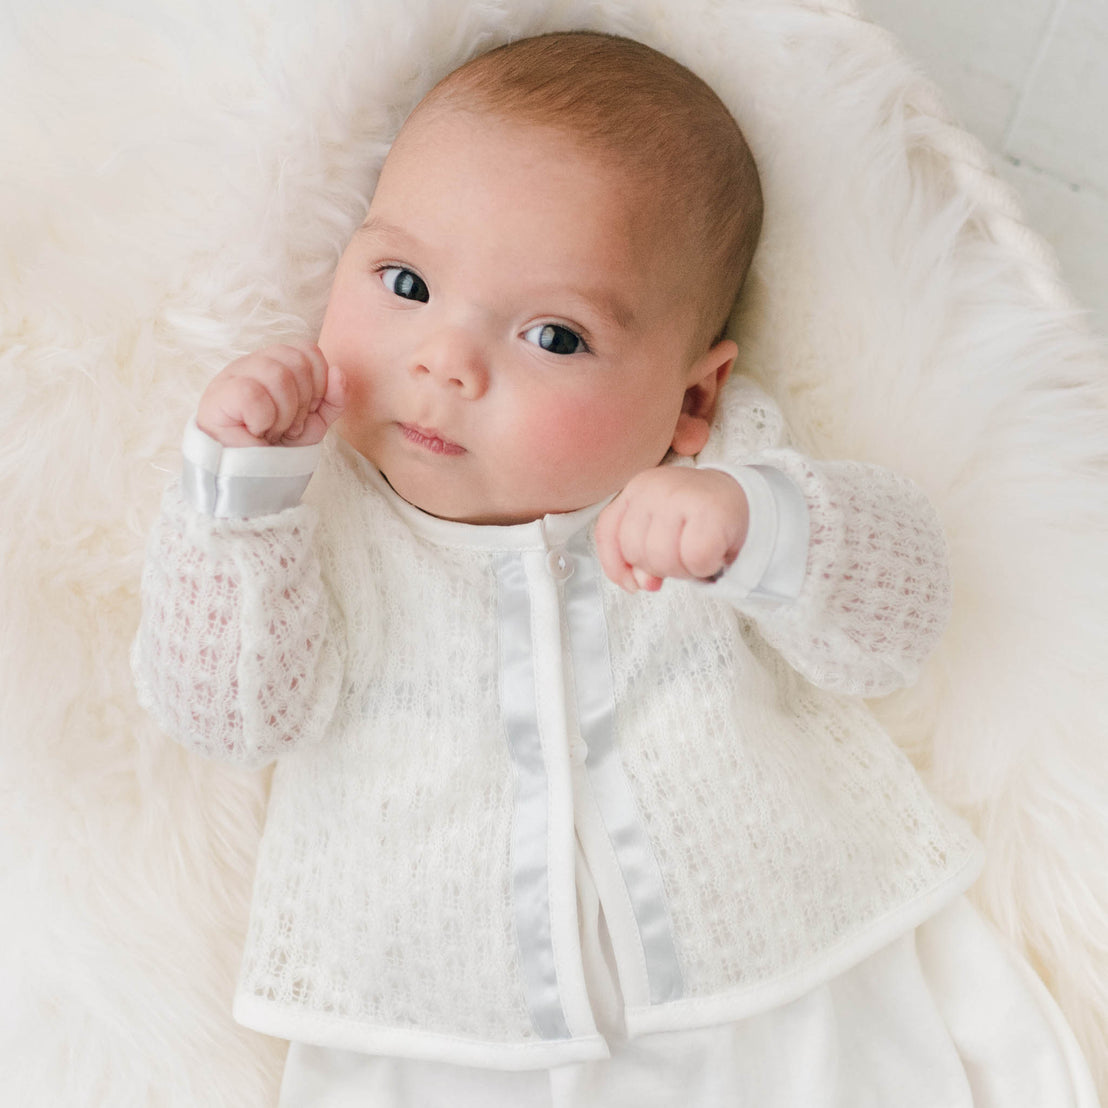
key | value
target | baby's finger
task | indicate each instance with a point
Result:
(310, 365)
(320, 383)
(316, 424)
(308, 369)
(250, 404)
(631, 538)
(279, 382)
(333, 400)
(661, 544)
(320, 375)
(704, 548)
(608, 550)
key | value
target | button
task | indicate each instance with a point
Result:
(579, 752)
(559, 563)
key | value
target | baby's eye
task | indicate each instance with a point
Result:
(555, 338)
(405, 284)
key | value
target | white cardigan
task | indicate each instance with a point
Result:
(455, 708)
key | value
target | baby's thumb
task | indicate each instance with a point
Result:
(334, 396)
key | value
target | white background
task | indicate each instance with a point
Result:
(1030, 79)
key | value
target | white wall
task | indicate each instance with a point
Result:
(1030, 79)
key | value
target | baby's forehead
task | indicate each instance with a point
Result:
(460, 148)
(641, 204)
(638, 184)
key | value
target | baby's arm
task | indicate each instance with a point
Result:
(233, 655)
(872, 596)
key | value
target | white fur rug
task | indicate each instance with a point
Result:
(176, 182)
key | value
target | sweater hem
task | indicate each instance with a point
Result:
(317, 1029)
(725, 1007)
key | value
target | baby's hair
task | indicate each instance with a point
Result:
(623, 100)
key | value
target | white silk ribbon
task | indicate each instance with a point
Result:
(592, 678)
(530, 873)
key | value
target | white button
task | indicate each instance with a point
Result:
(579, 752)
(559, 563)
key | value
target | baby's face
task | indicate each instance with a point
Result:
(511, 339)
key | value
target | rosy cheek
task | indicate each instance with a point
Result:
(344, 340)
(337, 335)
(600, 436)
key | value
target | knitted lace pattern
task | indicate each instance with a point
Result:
(364, 658)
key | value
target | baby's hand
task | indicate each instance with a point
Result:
(283, 395)
(671, 521)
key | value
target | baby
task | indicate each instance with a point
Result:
(531, 315)
(542, 831)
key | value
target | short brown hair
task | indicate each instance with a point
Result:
(624, 99)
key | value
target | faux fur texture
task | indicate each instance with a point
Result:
(176, 183)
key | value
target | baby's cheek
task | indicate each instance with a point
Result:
(604, 443)
(355, 421)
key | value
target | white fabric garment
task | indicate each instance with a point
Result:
(454, 707)
(945, 1017)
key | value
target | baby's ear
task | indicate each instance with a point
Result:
(706, 377)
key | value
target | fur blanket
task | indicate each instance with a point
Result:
(176, 184)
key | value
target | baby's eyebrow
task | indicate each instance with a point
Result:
(611, 306)
(375, 228)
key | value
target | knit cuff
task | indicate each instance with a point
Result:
(774, 557)
(243, 481)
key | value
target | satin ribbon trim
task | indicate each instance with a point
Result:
(239, 482)
(530, 875)
(592, 677)
(774, 559)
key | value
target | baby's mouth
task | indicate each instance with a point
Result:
(429, 439)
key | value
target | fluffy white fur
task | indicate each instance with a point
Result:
(177, 181)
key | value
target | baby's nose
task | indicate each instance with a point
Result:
(453, 359)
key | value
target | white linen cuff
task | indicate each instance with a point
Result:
(241, 481)
(774, 557)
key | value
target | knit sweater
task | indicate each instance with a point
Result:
(457, 710)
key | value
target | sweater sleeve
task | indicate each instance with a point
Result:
(874, 595)
(233, 656)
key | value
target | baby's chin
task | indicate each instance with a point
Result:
(467, 511)
(470, 507)
(445, 494)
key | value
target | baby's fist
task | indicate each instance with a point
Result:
(672, 521)
(284, 395)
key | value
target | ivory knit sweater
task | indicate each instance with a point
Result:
(454, 708)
